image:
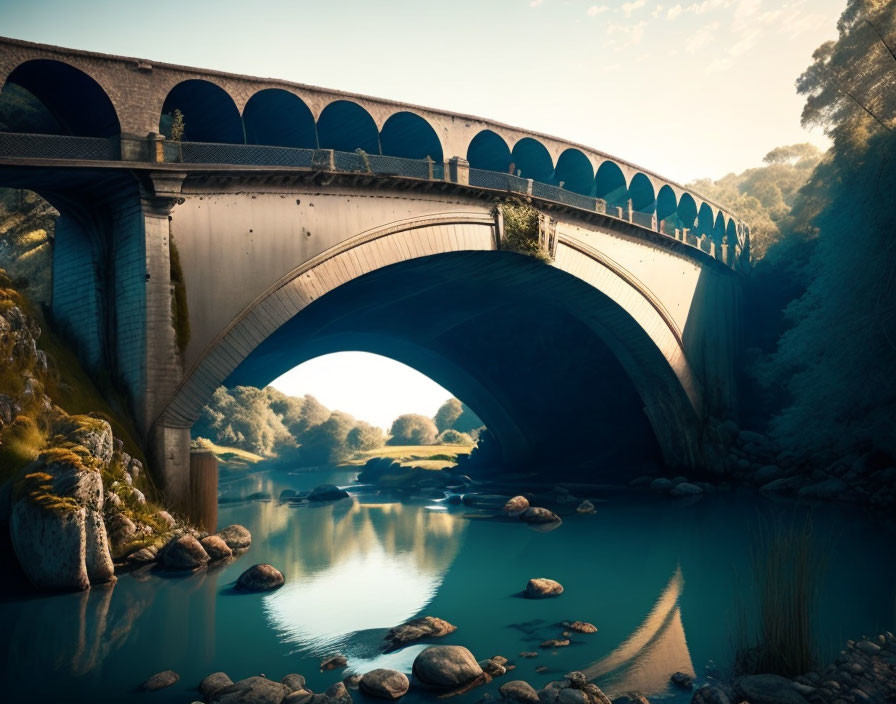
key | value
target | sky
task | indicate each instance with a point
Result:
(687, 89)
(370, 387)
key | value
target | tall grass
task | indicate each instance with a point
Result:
(776, 635)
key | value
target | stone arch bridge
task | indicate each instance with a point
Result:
(303, 221)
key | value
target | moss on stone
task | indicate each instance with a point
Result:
(180, 315)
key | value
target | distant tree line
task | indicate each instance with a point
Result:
(272, 424)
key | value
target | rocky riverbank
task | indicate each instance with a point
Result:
(864, 673)
(78, 504)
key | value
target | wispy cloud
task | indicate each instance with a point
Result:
(596, 10)
(657, 11)
(629, 7)
(702, 37)
(627, 34)
(673, 12)
(535, 3)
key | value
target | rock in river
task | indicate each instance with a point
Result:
(580, 626)
(260, 578)
(160, 680)
(334, 662)
(682, 680)
(184, 553)
(257, 690)
(294, 682)
(516, 506)
(542, 588)
(236, 537)
(575, 689)
(216, 548)
(446, 667)
(518, 691)
(327, 492)
(767, 689)
(386, 684)
(214, 682)
(586, 507)
(536, 514)
(686, 489)
(423, 627)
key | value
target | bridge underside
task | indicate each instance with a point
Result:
(508, 335)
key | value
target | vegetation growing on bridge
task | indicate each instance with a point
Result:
(521, 230)
(180, 315)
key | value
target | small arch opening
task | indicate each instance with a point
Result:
(345, 126)
(610, 184)
(278, 118)
(489, 152)
(51, 97)
(575, 173)
(532, 160)
(410, 136)
(209, 113)
(642, 194)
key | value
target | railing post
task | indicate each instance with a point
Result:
(323, 160)
(529, 187)
(429, 167)
(725, 251)
(627, 210)
(459, 170)
(156, 143)
(712, 248)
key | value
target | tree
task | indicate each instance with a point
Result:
(298, 414)
(448, 412)
(834, 364)
(413, 429)
(850, 87)
(326, 443)
(364, 436)
(242, 417)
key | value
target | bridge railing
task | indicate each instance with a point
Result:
(57, 146)
(42, 146)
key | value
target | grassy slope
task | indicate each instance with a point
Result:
(417, 455)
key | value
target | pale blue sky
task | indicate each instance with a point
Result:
(688, 89)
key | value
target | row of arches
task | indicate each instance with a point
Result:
(276, 117)
(53, 97)
(574, 172)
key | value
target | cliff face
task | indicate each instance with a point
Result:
(74, 496)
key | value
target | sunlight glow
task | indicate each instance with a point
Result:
(370, 387)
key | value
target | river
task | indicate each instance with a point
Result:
(660, 578)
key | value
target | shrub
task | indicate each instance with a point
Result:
(521, 230)
(364, 437)
(454, 437)
(413, 429)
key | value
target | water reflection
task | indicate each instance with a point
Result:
(357, 566)
(649, 656)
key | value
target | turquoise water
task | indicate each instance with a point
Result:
(658, 577)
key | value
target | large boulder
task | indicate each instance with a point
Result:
(542, 588)
(686, 489)
(56, 523)
(184, 553)
(236, 536)
(575, 689)
(294, 682)
(260, 578)
(518, 691)
(446, 667)
(334, 662)
(252, 690)
(385, 684)
(580, 626)
(214, 682)
(417, 629)
(327, 492)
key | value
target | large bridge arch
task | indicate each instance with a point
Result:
(612, 306)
